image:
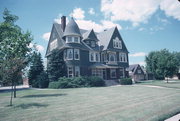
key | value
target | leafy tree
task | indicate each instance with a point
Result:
(161, 63)
(14, 50)
(36, 68)
(56, 66)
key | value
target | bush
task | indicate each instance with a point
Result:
(126, 81)
(77, 82)
(54, 85)
(96, 81)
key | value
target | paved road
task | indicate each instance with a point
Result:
(174, 118)
(8, 88)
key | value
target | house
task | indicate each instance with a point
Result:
(136, 72)
(88, 53)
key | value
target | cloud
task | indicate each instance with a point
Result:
(78, 13)
(91, 11)
(46, 36)
(135, 11)
(137, 54)
(171, 8)
(39, 48)
(89, 24)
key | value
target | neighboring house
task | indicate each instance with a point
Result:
(136, 72)
(88, 53)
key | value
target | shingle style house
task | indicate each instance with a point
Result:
(88, 53)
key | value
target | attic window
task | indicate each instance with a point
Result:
(93, 44)
(72, 39)
(117, 43)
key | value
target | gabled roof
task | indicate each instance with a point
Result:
(134, 67)
(72, 28)
(105, 37)
(90, 35)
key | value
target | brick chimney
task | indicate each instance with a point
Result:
(63, 23)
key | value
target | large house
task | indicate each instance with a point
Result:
(88, 53)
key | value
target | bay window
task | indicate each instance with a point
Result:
(76, 54)
(69, 54)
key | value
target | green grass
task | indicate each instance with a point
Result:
(120, 103)
(170, 84)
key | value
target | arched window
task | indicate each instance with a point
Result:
(69, 54)
(112, 57)
(117, 43)
(76, 54)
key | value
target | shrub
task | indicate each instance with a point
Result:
(126, 81)
(96, 81)
(54, 85)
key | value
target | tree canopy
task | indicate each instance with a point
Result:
(162, 64)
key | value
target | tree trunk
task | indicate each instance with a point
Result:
(167, 80)
(14, 89)
(11, 94)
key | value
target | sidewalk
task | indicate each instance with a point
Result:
(174, 118)
(8, 88)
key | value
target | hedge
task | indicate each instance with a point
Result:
(77, 82)
(126, 81)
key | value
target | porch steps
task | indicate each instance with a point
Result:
(111, 82)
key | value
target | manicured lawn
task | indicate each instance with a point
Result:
(120, 103)
(170, 84)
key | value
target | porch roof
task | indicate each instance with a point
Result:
(102, 66)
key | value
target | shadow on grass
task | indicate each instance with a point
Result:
(43, 95)
(29, 105)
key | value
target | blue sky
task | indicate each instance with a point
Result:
(145, 25)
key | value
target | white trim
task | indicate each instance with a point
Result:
(94, 56)
(76, 69)
(122, 57)
(72, 74)
(73, 39)
(68, 52)
(117, 43)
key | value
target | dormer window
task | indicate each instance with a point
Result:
(93, 44)
(117, 43)
(72, 39)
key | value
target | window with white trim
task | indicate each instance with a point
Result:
(121, 72)
(117, 43)
(94, 57)
(77, 71)
(53, 45)
(72, 39)
(70, 71)
(76, 54)
(139, 71)
(93, 43)
(97, 72)
(69, 54)
(112, 57)
(65, 55)
(113, 73)
(122, 57)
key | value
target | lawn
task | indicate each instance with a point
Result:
(118, 103)
(162, 83)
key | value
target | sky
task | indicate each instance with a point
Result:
(145, 25)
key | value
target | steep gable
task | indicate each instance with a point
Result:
(90, 35)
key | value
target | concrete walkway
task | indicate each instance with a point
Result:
(8, 88)
(174, 118)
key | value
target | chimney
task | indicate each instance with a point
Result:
(63, 23)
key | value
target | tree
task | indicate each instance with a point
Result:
(14, 51)
(56, 66)
(43, 80)
(162, 64)
(36, 68)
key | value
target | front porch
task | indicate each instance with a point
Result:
(107, 72)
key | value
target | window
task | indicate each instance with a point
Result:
(87, 42)
(53, 44)
(69, 54)
(97, 72)
(76, 54)
(65, 55)
(93, 44)
(112, 57)
(122, 57)
(121, 72)
(70, 71)
(117, 43)
(77, 71)
(113, 73)
(139, 71)
(76, 39)
(94, 57)
(71, 39)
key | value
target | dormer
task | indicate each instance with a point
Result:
(72, 33)
(90, 38)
